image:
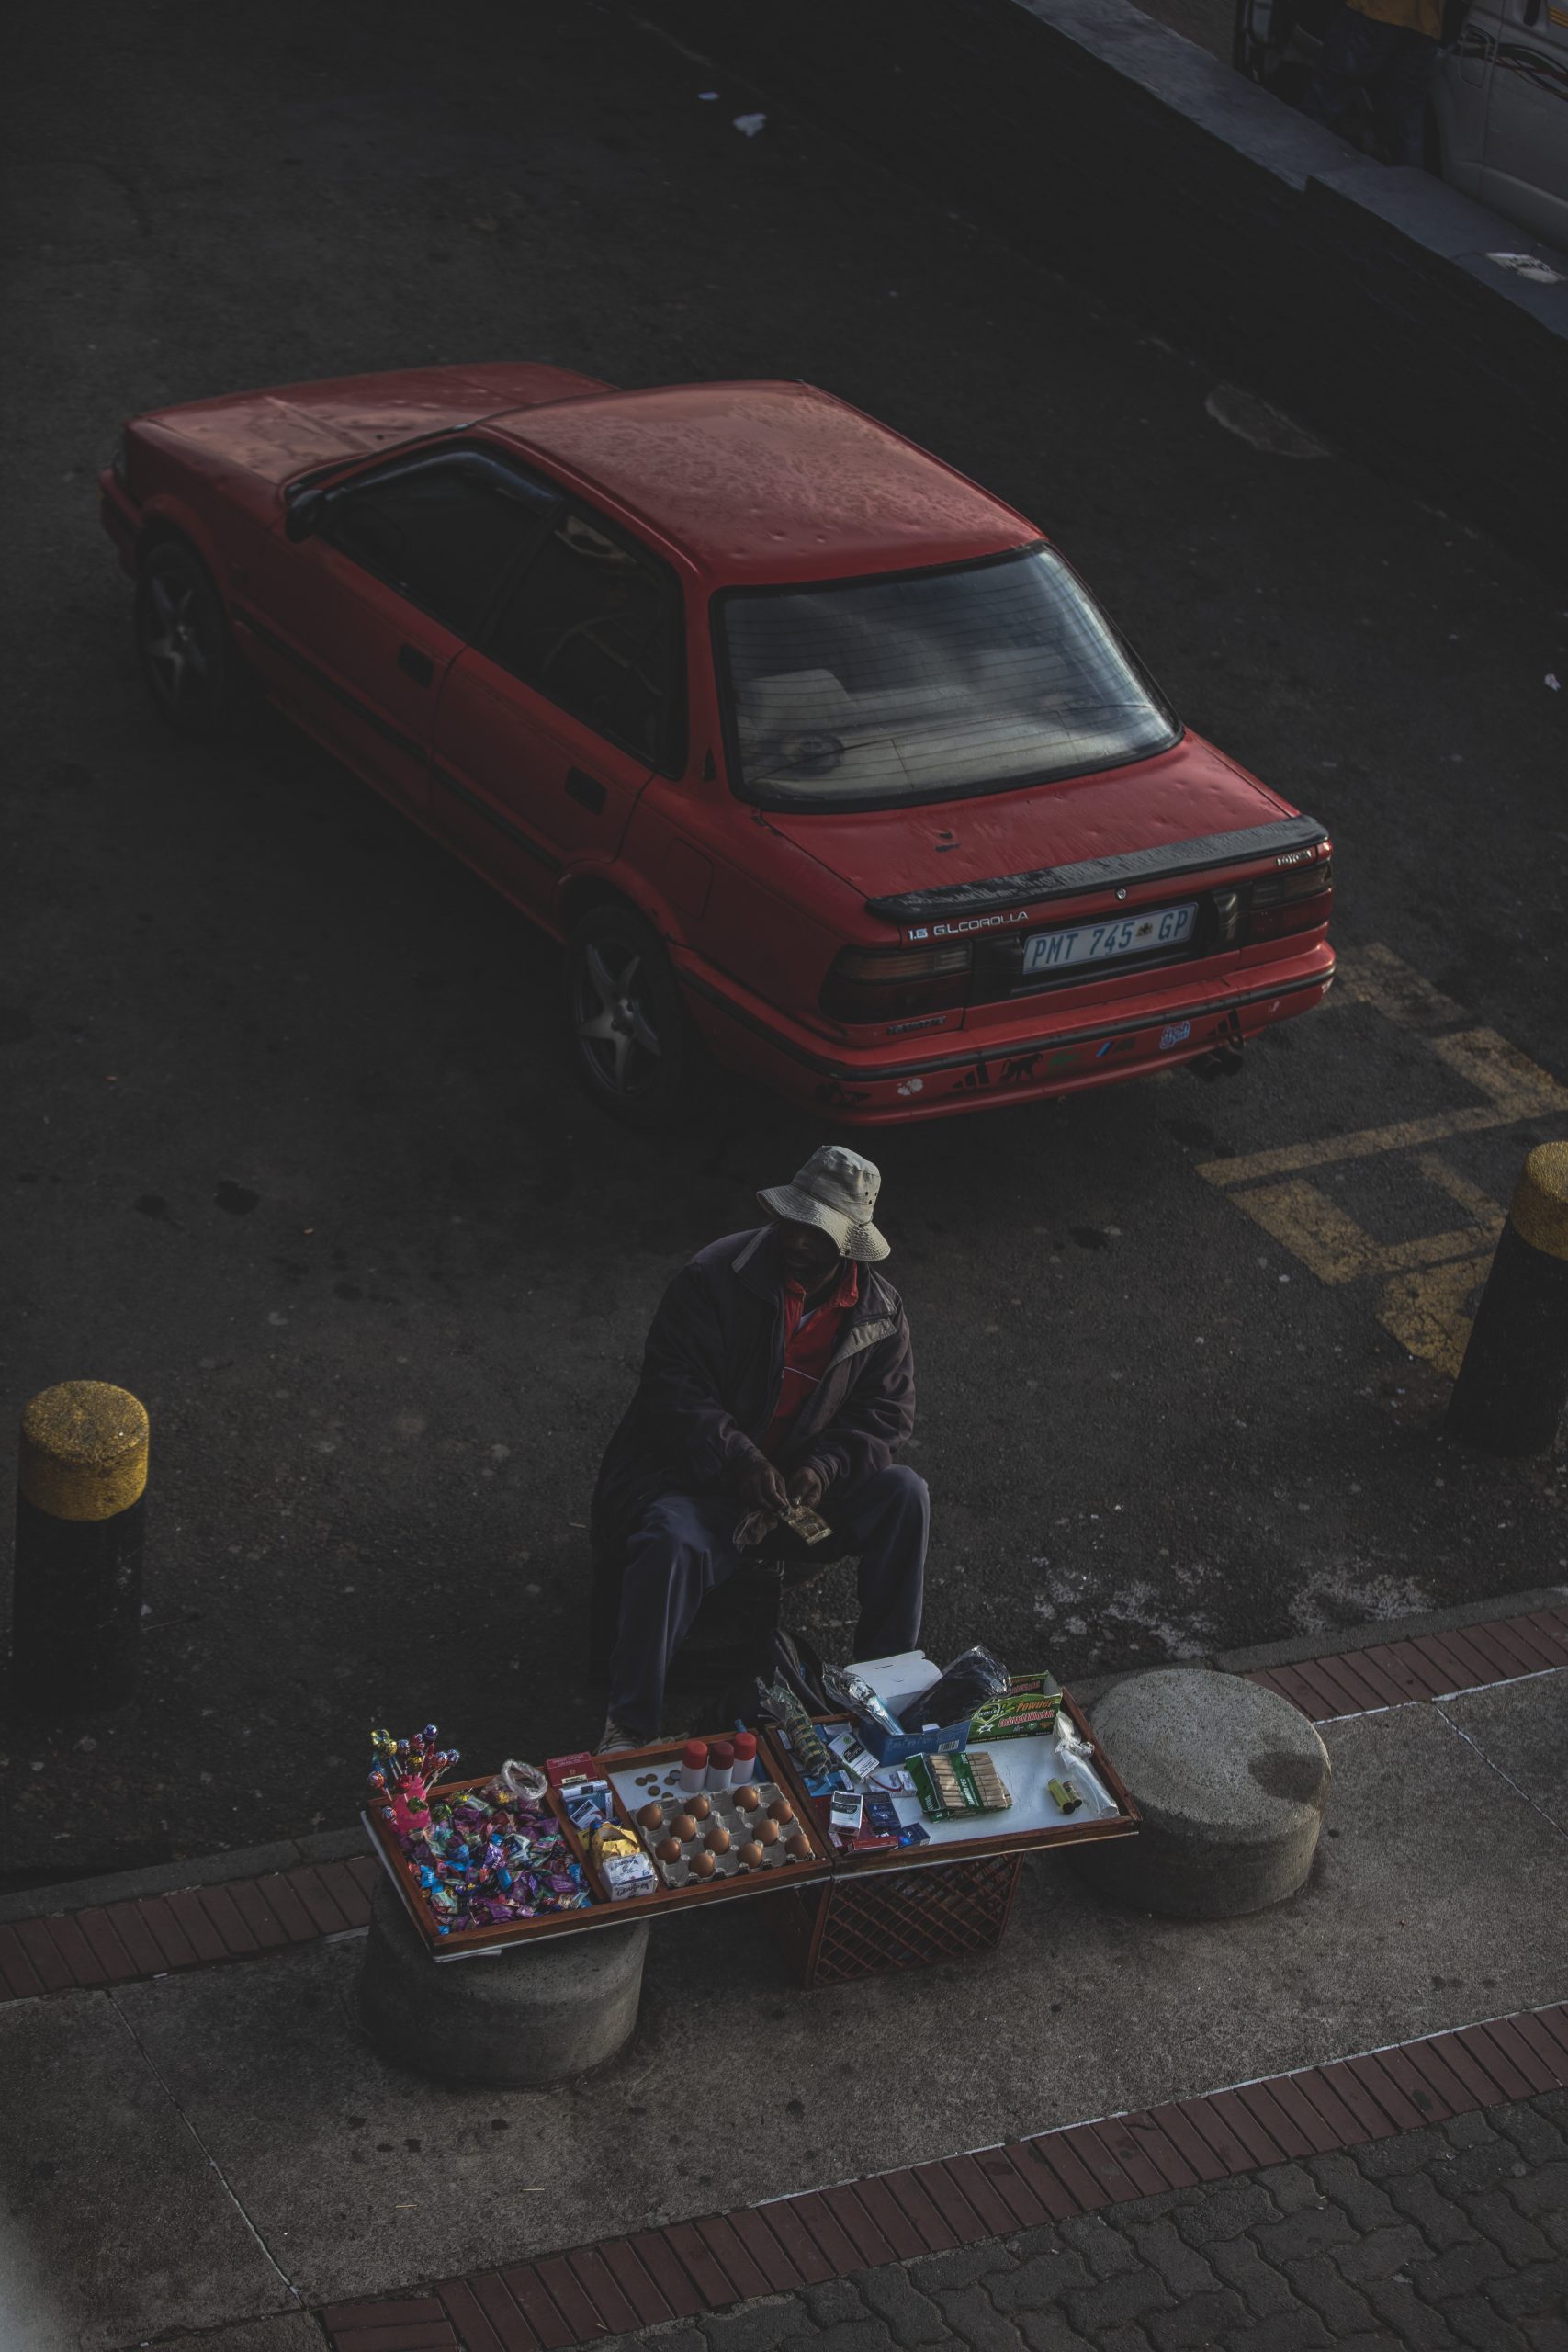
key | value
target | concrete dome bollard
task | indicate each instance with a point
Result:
(1231, 1782)
(534, 2014)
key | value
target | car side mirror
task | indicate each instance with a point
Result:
(305, 513)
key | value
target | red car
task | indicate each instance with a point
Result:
(813, 754)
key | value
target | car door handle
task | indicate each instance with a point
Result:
(585, 788)
(415, 664)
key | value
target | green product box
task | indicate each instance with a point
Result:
(1027, 1708)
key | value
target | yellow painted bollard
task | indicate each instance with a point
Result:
(1513, 1384)
(81, 1502)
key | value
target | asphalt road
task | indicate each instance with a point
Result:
(288, 1146)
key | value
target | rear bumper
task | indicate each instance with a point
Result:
(975, 1069)
(119, 518)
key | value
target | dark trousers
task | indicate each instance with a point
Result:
(685, 1546)
(1392, 64)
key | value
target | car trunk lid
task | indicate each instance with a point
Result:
(1089, 832)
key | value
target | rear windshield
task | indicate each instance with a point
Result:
(931, 686)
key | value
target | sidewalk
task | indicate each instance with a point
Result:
(214, 2147)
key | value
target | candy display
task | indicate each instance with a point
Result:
(482, 1857)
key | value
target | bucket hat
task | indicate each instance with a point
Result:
(837, 1191)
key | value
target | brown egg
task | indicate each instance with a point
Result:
(699, 1808)
(781, 1810)
(717, 1839)
(751, 1854)
(749, 1798)
(798, 1848)
(651, 1816)
(768, 1831)
(683, 1828)
(668, 1849)
(703, 1866)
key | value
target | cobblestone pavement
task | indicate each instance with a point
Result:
(1457, 2235)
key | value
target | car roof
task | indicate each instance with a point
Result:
(759, 482)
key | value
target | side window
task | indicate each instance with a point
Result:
(442, 532)
(595, 624)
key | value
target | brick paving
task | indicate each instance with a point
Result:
(1455, 2236)
(116, 1943)
(1431, 1665)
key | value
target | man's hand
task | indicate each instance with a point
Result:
(759, 1484)
(807, 1487)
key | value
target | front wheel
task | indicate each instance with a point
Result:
(631, 1038)
(183, 644)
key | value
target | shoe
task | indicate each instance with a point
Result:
(617, 1738)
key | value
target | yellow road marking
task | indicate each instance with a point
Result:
(1517, 1088)
(1427, 1280)
(1426, 1312)
(1327, 1150)
(1337, 1250)
(1375, 975)
(1470, 1197)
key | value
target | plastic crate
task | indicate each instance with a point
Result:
(888, 1921)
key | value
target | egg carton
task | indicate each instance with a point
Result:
(726, 1809)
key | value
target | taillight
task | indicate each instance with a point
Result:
(892, 983)
(1283, 903)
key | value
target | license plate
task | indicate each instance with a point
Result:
(1099, 942)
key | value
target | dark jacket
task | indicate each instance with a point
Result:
(711, 1375)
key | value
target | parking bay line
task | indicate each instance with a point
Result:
(1427, 1279)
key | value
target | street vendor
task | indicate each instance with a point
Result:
(777, 1372)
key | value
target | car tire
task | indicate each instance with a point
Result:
(632, 1042)
(186, 655)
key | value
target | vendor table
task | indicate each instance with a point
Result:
(839, 1916)
(886, 1910)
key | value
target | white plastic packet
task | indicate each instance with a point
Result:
(1075, 1752)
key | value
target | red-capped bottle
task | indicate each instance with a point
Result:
(721, 1759)
(694, 1766)
(744, 1767)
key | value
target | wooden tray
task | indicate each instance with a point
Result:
(770, 1881)
(464, 1943)
(991, 1835)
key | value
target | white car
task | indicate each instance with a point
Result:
(1497, 128)
(1500, 99)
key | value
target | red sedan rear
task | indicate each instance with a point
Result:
(821, 761)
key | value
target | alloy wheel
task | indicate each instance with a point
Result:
(177, 656)
(614, 1031)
